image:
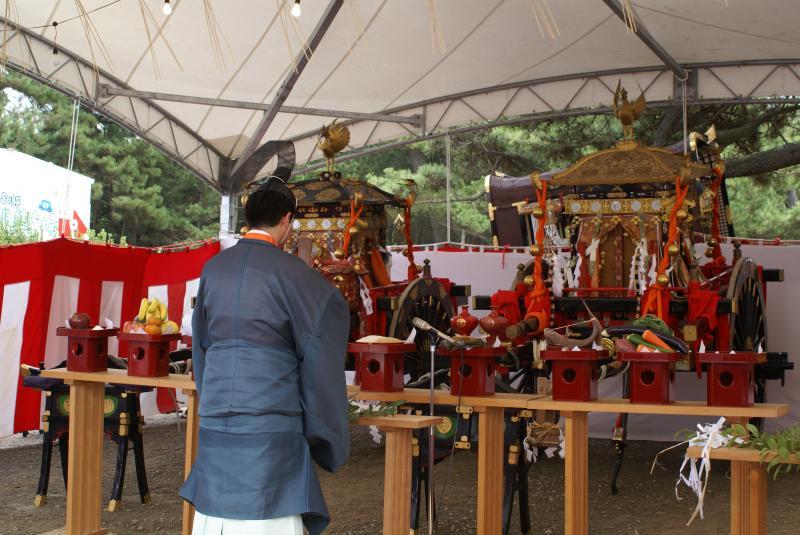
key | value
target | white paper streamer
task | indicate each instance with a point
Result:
(366, 300)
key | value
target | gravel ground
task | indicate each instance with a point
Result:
(646, 504)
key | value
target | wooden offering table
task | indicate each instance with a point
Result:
(748, 486)
(576, 439)
(397, 469)
(491, 427)
(85, 459)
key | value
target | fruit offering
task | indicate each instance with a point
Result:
(80, 320)
(151, 319)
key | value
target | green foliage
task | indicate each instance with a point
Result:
(138, 192)
(20, 230)
(779, 446)
(104, 237)
(388, 408)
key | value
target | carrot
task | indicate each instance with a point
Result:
(650, 336)
(643, 349)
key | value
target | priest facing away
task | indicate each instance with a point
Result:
(269, 341)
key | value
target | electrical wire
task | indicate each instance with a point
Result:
(98, 8)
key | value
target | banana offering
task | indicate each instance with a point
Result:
(152, 319)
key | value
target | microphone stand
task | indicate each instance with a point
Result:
(433, 337)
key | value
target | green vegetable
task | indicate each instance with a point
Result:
(637, 339)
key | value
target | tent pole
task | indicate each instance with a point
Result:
(228, 214)
(447, 157)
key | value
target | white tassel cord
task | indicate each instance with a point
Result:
(708, 436)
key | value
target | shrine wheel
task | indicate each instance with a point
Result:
(749, 320)
(427, 299)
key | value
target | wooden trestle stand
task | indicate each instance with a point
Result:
(85, 459)
(397, 469)
(576, 461)
(748, 478)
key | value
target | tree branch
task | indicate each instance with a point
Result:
(764, 161)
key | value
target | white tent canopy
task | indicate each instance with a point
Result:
(382, 59)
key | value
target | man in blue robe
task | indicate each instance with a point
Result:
(269, 341)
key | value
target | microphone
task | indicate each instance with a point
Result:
(424, 326)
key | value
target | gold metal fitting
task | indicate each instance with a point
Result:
(353, 230)
(535, 249)
(711, 242)
(662, 279)
(709, 252)
(537, 212)
(528, 280)
(338, 253)
(673, 249)
(682, 214)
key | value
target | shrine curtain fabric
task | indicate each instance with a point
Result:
(42, 284)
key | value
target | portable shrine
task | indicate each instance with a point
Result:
(575, 373)
(379, 366)
(87, 349)
(730, 378)
(148, 354)
(652, 376)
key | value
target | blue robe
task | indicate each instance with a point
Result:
(269, 342)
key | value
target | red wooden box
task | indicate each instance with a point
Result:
(148, 354)
(730, 380)
(379, 367)
(652, 376)
(574, 373)
(472, 370)
(87, 349)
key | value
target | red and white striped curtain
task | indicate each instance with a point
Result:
(42, 284)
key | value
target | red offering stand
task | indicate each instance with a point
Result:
(472, 375)
(379, 367)
(574, 373)
(87, 349)
(148, 354)
(652, 376)
(730, 378)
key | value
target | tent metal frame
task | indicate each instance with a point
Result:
(742, 82)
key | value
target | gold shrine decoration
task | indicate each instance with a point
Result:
(617, 206)
(332, 139)
(627, 112)
(629, 163)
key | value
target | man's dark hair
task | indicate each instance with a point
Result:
(265, 208)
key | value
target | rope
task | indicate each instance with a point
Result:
(354, 215)
(654, 297)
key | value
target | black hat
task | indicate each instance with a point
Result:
(270, 183)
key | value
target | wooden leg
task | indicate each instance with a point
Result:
(192, 422)
(490, 471)
(397, 482)
(576, 473)
(748, 498)
(85, 458)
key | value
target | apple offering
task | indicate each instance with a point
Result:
(151, 319)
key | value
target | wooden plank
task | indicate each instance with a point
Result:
(687, 408)
(738, 454)
(121, 377)
(756, 485)
(400, 421)
(576, 473)
(397, 482)
(190, 453)
(490, 471)
(85, 458)
(441, 397)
